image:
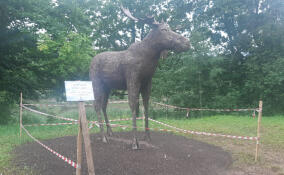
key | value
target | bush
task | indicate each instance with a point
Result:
(5, 114)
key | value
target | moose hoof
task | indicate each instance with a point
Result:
(147, 137)
(135, 144)
(109, 132)
(104, 139)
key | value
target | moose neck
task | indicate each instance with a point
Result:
(149, 47)
(152, 45)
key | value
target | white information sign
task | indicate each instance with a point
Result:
(79, 90)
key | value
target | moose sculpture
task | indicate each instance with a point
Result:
(132, 70)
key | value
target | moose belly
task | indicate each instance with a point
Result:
(114, 81)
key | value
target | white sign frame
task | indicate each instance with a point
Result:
(79, 91)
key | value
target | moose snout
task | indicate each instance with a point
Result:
(184, 44)
(187, 44)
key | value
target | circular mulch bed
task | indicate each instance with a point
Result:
(166, 154)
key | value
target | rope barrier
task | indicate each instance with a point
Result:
(53, 124)
(115, 102)
(206, 133)
(127, 119)
(69, 119)
(122, 119)
(112, 125)
(179, 130)
(115, 125)
(161, 104)
(205, 109)
(49, 115)
(51, 105)
(68, 104)
(67, 160)
(176, 129)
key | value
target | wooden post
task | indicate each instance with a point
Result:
(258, 130)
(21, 113)
(79, 147)
(143, 114)
(86, 136)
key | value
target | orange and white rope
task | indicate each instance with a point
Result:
(67, 160)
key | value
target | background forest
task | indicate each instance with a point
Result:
(237, 54)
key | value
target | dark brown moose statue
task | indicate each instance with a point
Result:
(132, 70)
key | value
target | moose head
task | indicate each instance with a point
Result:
(161, 34)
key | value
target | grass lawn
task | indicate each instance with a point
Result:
(272, 128)
(272, 136)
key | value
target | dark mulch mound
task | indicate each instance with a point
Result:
(169, 155)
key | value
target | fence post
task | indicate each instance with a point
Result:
(21, 113)
(258, 130)
(86, 137)
(79, 147)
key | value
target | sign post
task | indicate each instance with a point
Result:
(82, 91)
(21, 113)
(79, 147)
(258, 130)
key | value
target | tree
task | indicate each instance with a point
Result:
(247, 36)
(36, 63)
(237, 53)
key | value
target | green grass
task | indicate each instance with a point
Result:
(233, 125)
(9, 138)
(271, 131)
(272, 128)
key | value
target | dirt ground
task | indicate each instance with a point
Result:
(270, 161)
(166, 154)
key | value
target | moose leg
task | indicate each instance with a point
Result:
(104, 107)
(98, 103)
(133, 98)
(145, 92)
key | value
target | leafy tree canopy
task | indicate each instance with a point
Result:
(236, 58)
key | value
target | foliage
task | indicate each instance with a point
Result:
(72, 58)
(42, 43)
(237, 56)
